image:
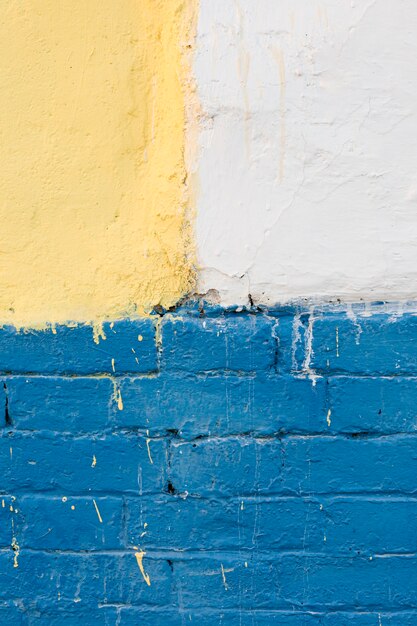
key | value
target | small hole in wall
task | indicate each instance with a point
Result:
(170, 489)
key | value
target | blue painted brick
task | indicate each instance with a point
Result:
(74, 405)
(379, 525)
(374, 405)
(254, 504)
(66, 466)
(331, 464)
(291, 342)
(371, 618)
(209, 524)
(69, 614)
(87, 579)
(67, 523)
(331, 525)
(379, 344)
(224, 343)
(71, 350)
(3, 397)
(233, 466)
(222, 405)
(7, 503)
(301, 582)
(133, 616)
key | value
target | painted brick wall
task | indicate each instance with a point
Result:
(263, 467)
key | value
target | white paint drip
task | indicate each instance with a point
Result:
(296, 338)
(307, 370)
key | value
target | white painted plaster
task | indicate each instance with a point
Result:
(308, 149)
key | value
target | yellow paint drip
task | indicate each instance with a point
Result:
(98, 512)
(117, 394)
(328, 420)
(94, 194)
(139, 558)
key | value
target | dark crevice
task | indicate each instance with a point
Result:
(170, 489)
(170, 564)
(7, 417)
(362, 435)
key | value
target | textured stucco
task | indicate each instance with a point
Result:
(93, 199)
(307, 149)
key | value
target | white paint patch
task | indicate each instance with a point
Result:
(308, 152)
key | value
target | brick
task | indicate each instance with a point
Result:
(369, 526)
(242, 343)
(379, 344)
(6, 515)
(222, 405)
(175, 523)
(291, 330)
(71, 350)
(234, 466)
(291, 581)
(65, 465)
(67, 523)
(339, 525)
(76, 405)
(70, 615)
(334, 465)
(87, 579)
(241, 465)
(373, 405)
(132, 616)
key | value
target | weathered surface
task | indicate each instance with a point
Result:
(254, 467)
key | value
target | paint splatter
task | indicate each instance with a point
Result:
(98, 332)
(149, 448)
(224, 577)
(328, 420)
(117, 395)
(98, 512)
(16, 550)
(139, 558)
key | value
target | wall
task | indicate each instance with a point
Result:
(256, 469)
(167, 458)
(307, 152)
(94, 204)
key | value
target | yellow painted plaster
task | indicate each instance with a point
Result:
(93, 188)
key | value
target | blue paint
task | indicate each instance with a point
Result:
(265, 461)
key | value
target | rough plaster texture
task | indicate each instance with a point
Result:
(259, 470)
(93, 181)
(307, 149)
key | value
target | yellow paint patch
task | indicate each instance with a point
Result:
(93, 193)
